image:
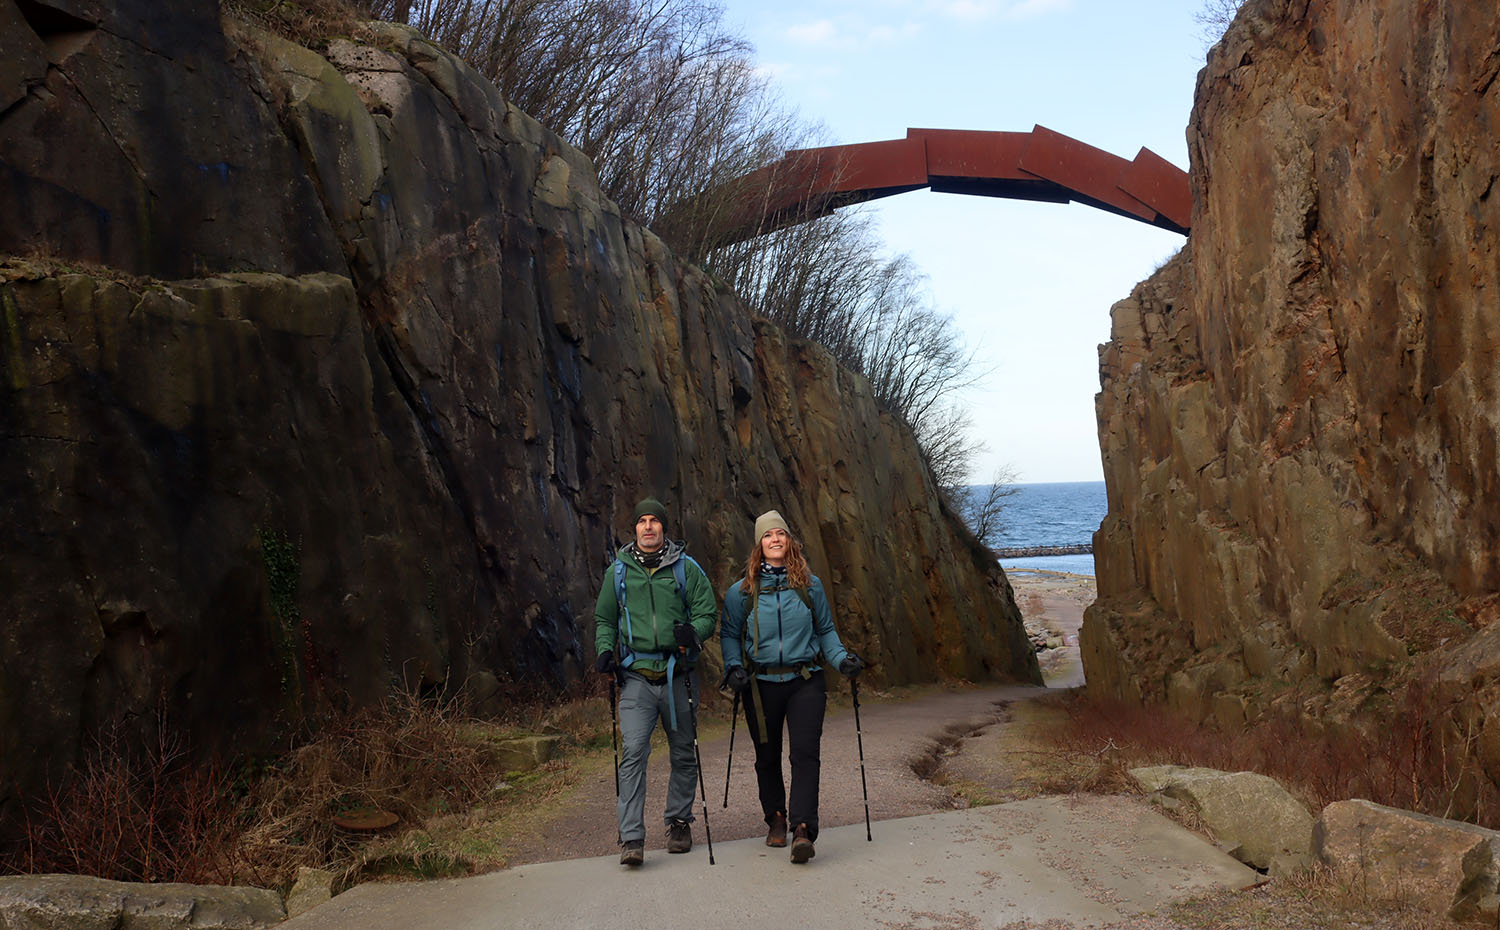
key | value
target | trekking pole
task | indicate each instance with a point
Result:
(734, 715)
(697, 757)
(860, 738)
(614, 741)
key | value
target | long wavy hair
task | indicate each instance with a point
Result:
(798, 575)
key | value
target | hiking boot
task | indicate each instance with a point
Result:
(802, 847)
(776, 836)
(679, 836)
(632, 852)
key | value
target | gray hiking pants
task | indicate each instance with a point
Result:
(642, 704)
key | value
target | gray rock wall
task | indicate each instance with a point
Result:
(382, 409)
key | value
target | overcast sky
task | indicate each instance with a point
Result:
(1029, 284)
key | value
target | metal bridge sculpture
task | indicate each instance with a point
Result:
(1038, 165)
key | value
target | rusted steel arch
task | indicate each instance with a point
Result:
(1038, 165)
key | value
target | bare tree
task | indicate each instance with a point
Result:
(657, 93)
(983, 507)
(1214, 17)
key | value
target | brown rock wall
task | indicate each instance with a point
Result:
(1298, 414)
(246, 498)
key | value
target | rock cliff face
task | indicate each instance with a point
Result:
(381, 401)
(1299, 413)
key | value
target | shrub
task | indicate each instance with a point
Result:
(151, 814)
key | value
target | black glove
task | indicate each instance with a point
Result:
(737, 679)
(687, 637)
(852, 665)
(605, 664)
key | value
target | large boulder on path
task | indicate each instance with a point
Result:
(1255, 818)
(81, 902)
(1450, 866)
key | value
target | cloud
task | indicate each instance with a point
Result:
(883, 35)
(774, 70)
(850, 33)
(1029, 8)
(978, 10)
(822, 32)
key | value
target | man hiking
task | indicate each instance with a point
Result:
(655, 608)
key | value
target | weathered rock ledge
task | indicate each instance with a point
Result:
(67, 902)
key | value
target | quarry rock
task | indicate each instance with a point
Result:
(386, 427)
(79, 902)
(1299, 414)
(526, 753)
(313, 887)
(1450, 867)
(1255, 819)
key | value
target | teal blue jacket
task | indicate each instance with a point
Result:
(779, 630)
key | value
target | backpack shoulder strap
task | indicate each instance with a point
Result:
(679, 575)
(622, 649)
(753, 626)
(806, 597)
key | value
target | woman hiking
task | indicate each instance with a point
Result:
(777, 636)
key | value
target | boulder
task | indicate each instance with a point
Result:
(1255, 818)
(1450, 866)
(313, 887)
(81, 902)
(527, 752)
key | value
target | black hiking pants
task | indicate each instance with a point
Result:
(798, 706)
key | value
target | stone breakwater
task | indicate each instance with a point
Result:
(1027, 551)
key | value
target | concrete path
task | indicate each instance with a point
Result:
(1082, 862)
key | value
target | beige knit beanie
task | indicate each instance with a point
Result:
(768, 521)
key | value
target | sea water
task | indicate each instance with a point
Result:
(1064, 513)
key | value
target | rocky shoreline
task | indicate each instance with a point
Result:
(1052, 606)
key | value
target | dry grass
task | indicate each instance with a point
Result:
(1315, 899)
(1050, 759)
(158, 815)
(43, 263)
(1407, 761)
(411, 758)
(306, 22)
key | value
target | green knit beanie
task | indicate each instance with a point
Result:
(652, 506)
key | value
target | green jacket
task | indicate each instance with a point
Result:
(655, 607)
